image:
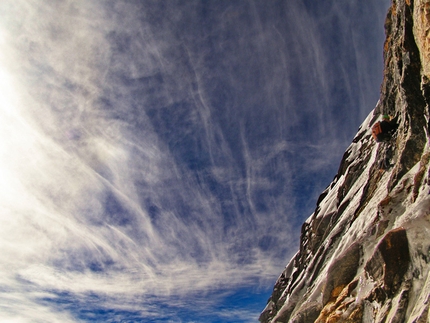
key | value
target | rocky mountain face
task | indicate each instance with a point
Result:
(365, 252)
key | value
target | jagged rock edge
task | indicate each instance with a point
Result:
(399, 208)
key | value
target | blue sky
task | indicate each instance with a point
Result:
(159, 157)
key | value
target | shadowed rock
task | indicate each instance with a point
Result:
(374, 279)
(390, 261)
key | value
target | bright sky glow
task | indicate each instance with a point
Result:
(158, 158)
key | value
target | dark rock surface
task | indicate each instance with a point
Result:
(365, 253)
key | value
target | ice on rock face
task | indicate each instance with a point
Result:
(365, 252)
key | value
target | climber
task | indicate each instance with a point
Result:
(382, 132)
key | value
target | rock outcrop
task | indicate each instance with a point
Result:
(365, 252)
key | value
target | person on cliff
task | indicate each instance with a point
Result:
(382, 132)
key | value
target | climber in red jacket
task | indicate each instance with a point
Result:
(382, 132)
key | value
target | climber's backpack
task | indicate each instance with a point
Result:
(377, 133)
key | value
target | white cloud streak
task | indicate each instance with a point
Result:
(95, 199)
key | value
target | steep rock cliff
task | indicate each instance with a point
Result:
(365, 252)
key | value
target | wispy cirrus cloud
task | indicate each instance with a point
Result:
(155, 153)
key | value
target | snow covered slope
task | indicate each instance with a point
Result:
(365, 252)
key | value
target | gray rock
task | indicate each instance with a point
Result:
(364, 253)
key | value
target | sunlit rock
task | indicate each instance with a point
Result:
(365, 253)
